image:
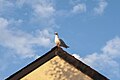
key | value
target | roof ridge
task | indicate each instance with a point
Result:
(57, 51)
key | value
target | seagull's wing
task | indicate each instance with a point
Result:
(63, 44)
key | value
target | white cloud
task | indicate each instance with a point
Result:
(79, 8)
(112, 48)
(44, 13)
(3, 23)
(106, 61)
(44, 10)
(22, 42)
(41, 8)
(5, 4)
(76, 56)
(101, 7)
(19, 41)
(20, 3)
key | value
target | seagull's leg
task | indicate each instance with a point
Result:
(58, 45)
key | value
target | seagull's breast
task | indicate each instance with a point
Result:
(57, 41)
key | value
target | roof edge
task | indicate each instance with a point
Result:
(30, 67)
(80, 65)
(57, 51)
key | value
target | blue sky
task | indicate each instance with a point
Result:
(90, 27)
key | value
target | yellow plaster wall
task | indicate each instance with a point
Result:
(56, 69)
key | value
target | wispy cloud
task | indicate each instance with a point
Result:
(100, 7)
(44, 10)
(4, 4)
(19, 40)
(44, 13)
(22, 42)
(41, 8)
(79, 8)
(107, 61)
(36, 12)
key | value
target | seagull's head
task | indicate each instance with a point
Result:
(56, 33)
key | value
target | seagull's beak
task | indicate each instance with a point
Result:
(56, 33)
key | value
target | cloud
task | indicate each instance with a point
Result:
(101, 7)
(16, 37)
(44, 13)
(77, 56)
(112, 48)
(107, 61)
(79, 8)
(39, 12)
(44, 10)
(21, 42)
(4, 4)
(41, 8)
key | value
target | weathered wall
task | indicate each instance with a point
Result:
(56, 69)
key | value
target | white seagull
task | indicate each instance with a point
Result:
(59, 42)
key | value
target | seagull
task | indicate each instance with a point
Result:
(59, 42)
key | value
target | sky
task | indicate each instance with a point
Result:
(90, 27)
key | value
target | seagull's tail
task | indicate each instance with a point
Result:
(67, 46)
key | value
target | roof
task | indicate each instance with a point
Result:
(65, 56)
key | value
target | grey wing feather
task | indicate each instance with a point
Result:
(63, 44)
